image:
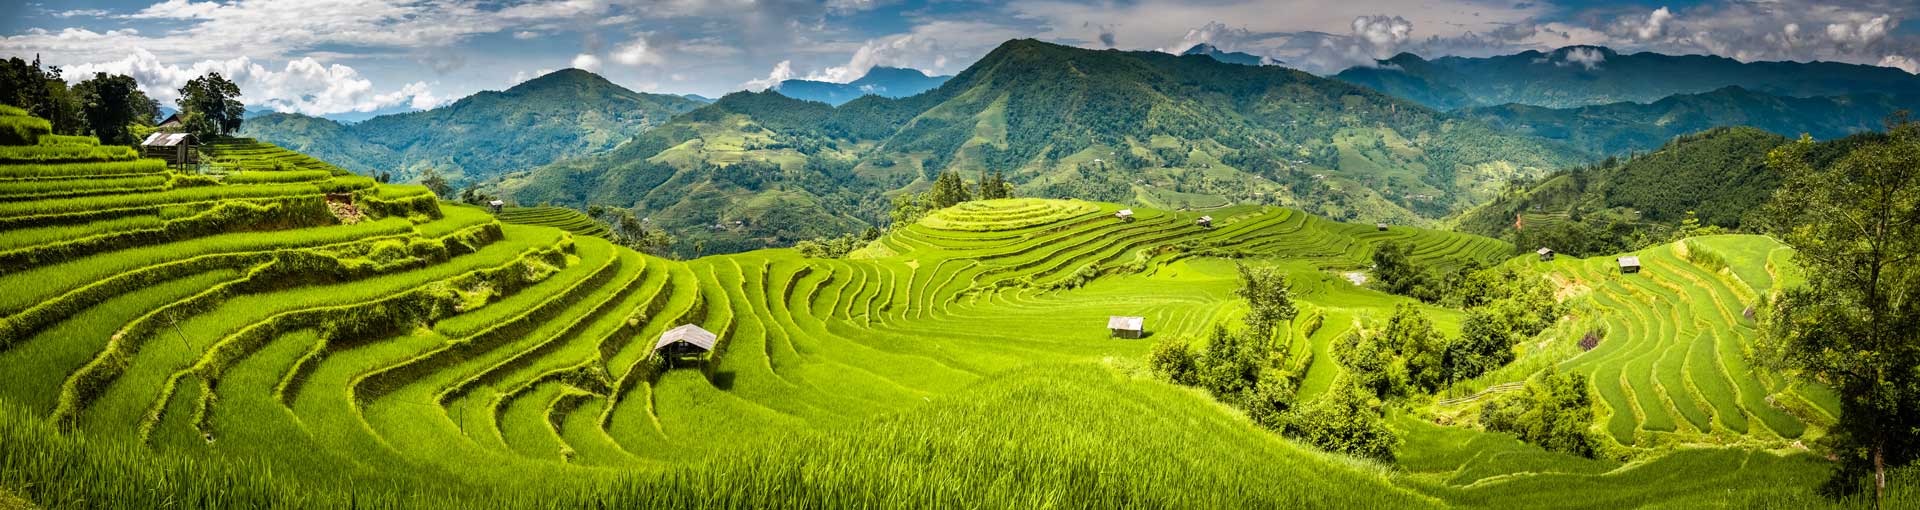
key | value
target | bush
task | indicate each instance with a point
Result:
(1347, 420)
(1174, 360)
(1554, 412)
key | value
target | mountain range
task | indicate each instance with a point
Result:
(1577, 76)
(1231, 57)
(1627, 126)
(879, 81)
(754, 169)
(564, 114)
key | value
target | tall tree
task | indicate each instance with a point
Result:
(210, 105)
(1269, 296)
(1855, 324)
(948, 189)
(111, 104)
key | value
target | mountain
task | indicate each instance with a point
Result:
(698, 98)
(879, 81)
(1718, 177)
(1577, 76)
(1233, 57)
(564, 114)
(1146, 128)
(1626, 126)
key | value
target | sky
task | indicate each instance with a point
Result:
(338, 57)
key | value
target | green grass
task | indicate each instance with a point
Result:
(557, 217)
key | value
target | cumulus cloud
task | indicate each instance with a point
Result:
(586, 62)
(1589, 58)
(929, 47)
(1650, 28)
(636, 52)
(303, 85)
(782, 71)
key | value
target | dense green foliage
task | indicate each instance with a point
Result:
(564, 114)
(1855, 323)
(210, 106)
(1553, 411)
(1576, 76)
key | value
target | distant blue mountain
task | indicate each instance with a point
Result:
(697, 97)
(1231, 57)
(879, 81)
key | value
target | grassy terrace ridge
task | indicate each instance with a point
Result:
(238, 348)
(562, 218)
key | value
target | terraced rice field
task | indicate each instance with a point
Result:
(1671, 363)
(557, 217)
(427, 352)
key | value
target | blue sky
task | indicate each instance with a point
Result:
(327, 57)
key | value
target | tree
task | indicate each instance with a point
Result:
(1555, 412)
(948, 190)
(436, 183)
(1424, 349)
(210, 105)
(42, 93)
(1173, 358)
(1269, 296)
(1484, 344)
(1393, 268)
(1346, 419)
(111, 104)
(632, 232)
(1855, 323)
(1230, 366)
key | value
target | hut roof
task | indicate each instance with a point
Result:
(1208, 219)
(1124, 212)
(496, 202)
(1543, 250)
(167, 139)
(688, 333)
(1630, 260)
(1126, 323)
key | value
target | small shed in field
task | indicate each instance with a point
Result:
(1382, 226)
(1126, 327)
(1546, 254)
(1204, 221)
(1629, 264)
(1124, 215)
(176, 148)
(495, 206)
(685, 342)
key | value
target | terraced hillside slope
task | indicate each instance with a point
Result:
(562, 218)
(261, 343)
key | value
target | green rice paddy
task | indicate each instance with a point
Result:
(439, 357)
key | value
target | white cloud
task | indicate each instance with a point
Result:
(636, 52)
(81, 13)
(525, 35)
(1589, 58)
(928, 47)
(522, 76)
(586, 62)
(1862, 32)
(303, 85)
(782, 71)
(1654, 27)
(1900, 62)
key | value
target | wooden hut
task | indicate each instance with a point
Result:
(1126, 327)
(1204, 222)
(685, 342)
(1124, 215)
(1546, 254)
(1382, 226)
(176, 148)
(495, 206)
(1629, 264)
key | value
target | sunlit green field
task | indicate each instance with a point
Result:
(234, 345)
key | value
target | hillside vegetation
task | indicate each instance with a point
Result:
(1620, 128)
(261, 343)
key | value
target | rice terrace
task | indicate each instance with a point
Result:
(1067, 275)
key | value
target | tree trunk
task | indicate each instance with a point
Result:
(1879, 478)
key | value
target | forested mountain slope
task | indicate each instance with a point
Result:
(1618, 128)
(1181, 132)
(564, 114)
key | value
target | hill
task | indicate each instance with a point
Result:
(564, 114)
(1577, 76)
(879, 81)
(1177, 132)
(1716, 177)
(1618, 128)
